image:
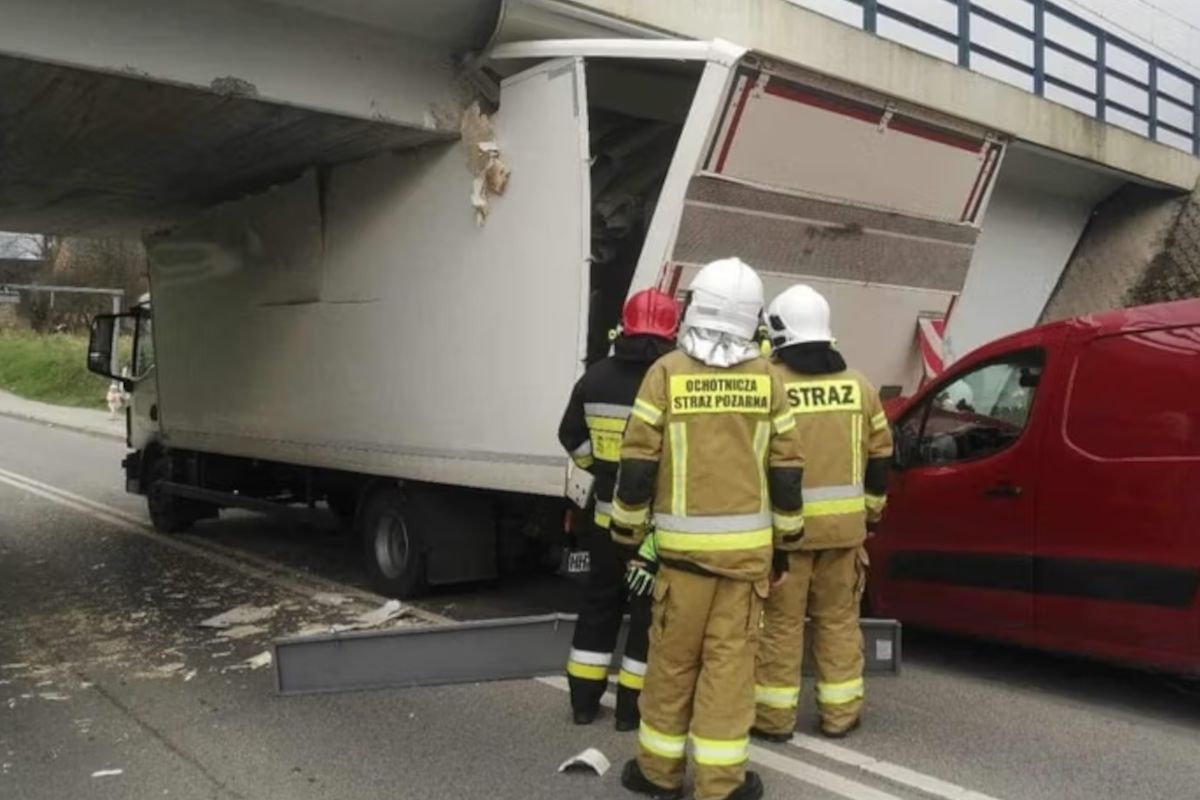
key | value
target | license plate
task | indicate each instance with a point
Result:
(578, 562)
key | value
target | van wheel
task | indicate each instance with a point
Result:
(393, 551)
(168, 513)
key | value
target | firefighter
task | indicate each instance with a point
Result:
(591, 431)
(848, 445)
(712, 462)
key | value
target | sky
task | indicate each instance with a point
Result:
(1169, 29)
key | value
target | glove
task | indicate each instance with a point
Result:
(639, 577)
(779, 566)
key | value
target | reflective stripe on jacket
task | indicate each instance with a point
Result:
(843, 426)
(703, 450)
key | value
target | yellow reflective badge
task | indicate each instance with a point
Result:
(606, 433)
(814, 396)
(720, 394)
(606, 446)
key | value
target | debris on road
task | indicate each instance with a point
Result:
(589, 760)
(54, 696)
(372, 619)
(330, 598)
(107, 773)
(241, 615)
(259, 661)
(162, 671)
(242, 631)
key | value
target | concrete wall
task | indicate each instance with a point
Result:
(1141, 246)
(1037, 213)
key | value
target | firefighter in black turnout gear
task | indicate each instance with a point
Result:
(591, 430)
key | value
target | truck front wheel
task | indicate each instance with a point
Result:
(392, 549)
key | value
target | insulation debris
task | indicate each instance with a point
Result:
(259, 661)
(241, 615)
(242, 631)
(483, 160)
(590, 760)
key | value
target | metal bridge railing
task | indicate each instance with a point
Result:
(1169, 96)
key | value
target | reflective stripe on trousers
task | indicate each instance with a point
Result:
(633, 673)
(588, 665)
(662, 744)
(777, 696)
(835, 694)
(720, 752)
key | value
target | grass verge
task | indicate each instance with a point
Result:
(51, 368)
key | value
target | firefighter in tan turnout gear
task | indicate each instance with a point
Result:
(711, 458)
(848, 445)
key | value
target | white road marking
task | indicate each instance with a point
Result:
(270, 572)
(310, 587)
(807, 773)
(927, 784)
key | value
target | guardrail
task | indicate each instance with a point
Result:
(1169, 96)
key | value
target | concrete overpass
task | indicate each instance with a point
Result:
(119, 115)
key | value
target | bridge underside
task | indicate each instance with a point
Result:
(102, 153)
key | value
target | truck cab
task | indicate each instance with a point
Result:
(1044, 492)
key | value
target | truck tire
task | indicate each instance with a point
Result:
(393, 550)
(168, 514)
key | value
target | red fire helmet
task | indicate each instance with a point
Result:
(650, 312)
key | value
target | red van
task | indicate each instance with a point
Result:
(1047, 492)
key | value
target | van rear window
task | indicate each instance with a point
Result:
(1137, 395)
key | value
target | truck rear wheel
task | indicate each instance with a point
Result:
(168, 513)
(393, 550)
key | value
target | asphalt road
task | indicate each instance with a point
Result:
(103, 667)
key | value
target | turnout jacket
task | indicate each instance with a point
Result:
(594, 421)
(848, 445)
(713, 456)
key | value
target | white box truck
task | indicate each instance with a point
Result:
(398, 336)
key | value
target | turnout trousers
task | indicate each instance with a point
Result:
(700, 682)
(827, 586)
(605, 602)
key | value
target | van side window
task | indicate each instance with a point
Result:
(975, 414)
(1137, 396)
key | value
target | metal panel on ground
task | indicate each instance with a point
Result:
(470, 652)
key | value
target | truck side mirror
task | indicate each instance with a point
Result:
(101, 343)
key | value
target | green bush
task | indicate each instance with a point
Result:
(51, 368)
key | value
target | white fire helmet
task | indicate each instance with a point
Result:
(725, 296)
(798, 315)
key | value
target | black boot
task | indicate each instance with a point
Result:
(768, 736)
(627, 716)
(833, 734)
(633, 780)
(751, 788)
(584, 716)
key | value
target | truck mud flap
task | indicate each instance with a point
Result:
(471, 652)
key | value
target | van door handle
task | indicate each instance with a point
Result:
(1003, 489)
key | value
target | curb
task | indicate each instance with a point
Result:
(97, 432)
